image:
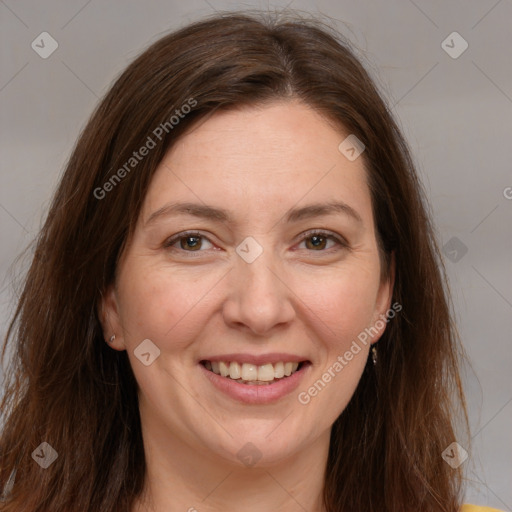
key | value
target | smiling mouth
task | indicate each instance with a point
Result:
(253, 375)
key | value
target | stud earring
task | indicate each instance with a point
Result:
(112, 338)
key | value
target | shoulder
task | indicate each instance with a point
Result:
(475, 508)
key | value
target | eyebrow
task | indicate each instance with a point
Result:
(319, 209)
(204, 211)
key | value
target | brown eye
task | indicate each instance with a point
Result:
(319, 241)
(188, 242)
(316, 242)
(191, 242)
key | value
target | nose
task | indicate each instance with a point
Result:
(259, 298)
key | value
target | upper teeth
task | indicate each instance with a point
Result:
(252, 372)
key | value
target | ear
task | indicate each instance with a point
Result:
(383, 302)
(108, 312)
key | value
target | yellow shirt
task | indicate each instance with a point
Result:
(475, 508)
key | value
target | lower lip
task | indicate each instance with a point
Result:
(256, 394)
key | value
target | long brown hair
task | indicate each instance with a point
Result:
(66, 387)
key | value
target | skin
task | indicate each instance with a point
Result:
(258, 163)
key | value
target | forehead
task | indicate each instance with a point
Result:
(260, 137)
(258, 158)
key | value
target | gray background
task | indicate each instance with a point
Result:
(455, 113)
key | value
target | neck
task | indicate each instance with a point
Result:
(186, 477)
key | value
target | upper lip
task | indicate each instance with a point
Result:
(257, 359)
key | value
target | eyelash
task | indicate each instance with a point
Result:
(308, 234)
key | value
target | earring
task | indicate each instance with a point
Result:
(374, 355)
(112, 338)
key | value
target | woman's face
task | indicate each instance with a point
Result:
(271, 273)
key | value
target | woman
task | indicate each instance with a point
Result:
(236, 301)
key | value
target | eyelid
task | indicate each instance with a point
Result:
(331, 235)
(169, 242)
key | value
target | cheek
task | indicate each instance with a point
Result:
(163, 306)
(339, 311)
(340, 305)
